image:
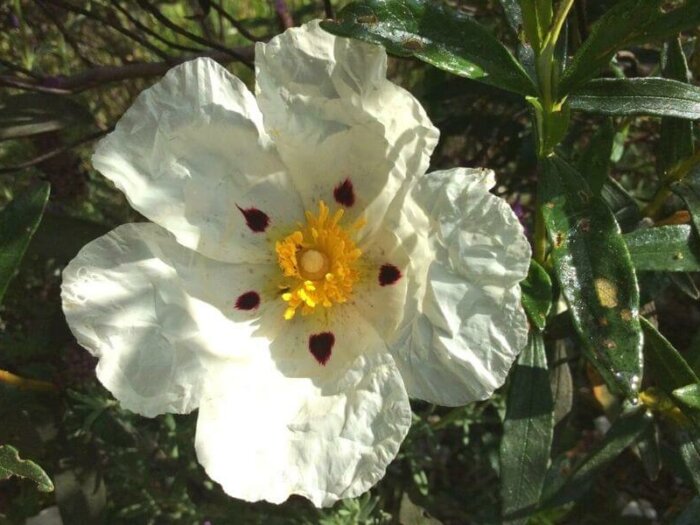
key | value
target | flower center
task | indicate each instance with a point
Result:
(319, 262)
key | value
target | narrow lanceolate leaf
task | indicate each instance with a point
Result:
(594, 164)
(595, 271)
(18, 222)
(12, 465)
(689, 395)
(638, 96)
(629, 22)
(625, 431)
(665, 248)
(668, 367)
(514, 14)
(537, 17)
(537, 295)
(527, 432)
(437, 35)
(689, 446)
(676, 138)
(29, 114)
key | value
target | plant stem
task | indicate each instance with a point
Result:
(26, 384)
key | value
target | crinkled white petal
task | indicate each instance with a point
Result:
(263, 435)
(334, 117)
(157, 315)
(464, 324)
(190, 153)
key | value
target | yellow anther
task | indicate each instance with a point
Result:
(319, 262)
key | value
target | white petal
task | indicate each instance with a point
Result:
(157, 315)
(191, 153)
(334, 117)
(464, 323)
(263, 435)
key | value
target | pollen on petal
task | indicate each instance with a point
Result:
(344, 193)
(388, 274)
(320, 346)
(248, 301)
(257, 220)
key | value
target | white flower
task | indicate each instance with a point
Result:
(301, 277)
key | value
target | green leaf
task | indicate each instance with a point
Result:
(624, 431)
(664, 248)
(595, 271)
(514, 14)
(537, 17)
(33, 113)
(690, 513)
(668, 366)
(628, 23)
(434, 34)
(594, 164)
(689, 395)
(18, 222)
(676, 138)
(527, 431)
(12, 465)
(537, 294)
(622, 204)
(660, 97)
(689, 448)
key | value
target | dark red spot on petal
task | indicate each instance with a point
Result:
(388, 274)
(320, 346)
(257, 220)
(344, 193)
(248, 301)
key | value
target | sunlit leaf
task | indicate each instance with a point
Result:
(664, 248)
(12, 465)
(537, 294)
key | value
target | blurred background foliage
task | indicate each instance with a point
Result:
(70, 68)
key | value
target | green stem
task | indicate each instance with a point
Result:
(677, 173)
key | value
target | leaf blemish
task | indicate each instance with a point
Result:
(606, 292)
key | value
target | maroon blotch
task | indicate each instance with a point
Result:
(248, 301)
(320, 346)
(344, 193)
(257, 220)
(388, 274)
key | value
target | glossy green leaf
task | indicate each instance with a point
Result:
(33, 113)
(435, 34)
(624, 431)
(12, 465)
(627, 23)
(594, 164)
(660, 97)
(668, 367)
(665, 248)
(689, 395)
(537, 17)
(18, 222)
(537, 294)
(527, 431)
(595, 272)
(676, 138)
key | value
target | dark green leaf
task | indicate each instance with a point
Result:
(689, 395)
(692, 356)
(33, 113)
(18, 222)
(676, 139)
(685, 284)
(689, 448)
(628, 23)
(437, 35)
(527, 430)
(537, 17)
(596, 274)
(690, 514)
(594, 164)
(624, 431)
(12, 465)
(514, 14)
(664, 248)
(561, 383)
(649, 453)
(537, 294)
(638, 96)
(622, 204)
(668, 366)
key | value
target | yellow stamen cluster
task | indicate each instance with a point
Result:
(319, 262)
